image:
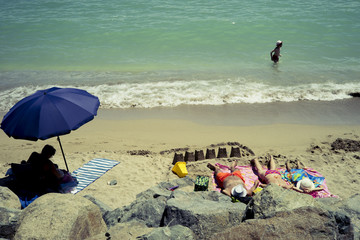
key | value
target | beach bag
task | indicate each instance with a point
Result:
(201, 183)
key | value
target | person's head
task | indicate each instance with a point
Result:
(279, 43)
(238, 191)
(48, 151)
(305, 184)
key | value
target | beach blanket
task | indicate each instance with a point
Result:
(250, 177)
(312, 174)
(246, 171)
(91, 171)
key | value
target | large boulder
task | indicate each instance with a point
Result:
(102, 206)
(175, 232)
(162, 189)
(148, 211)
(352, 207)
(203, 212)
(8, 222)
(60, 216)
(273, 199)
(342, 209)
(126, 230)
(8, 199)
(301, 223)
(149, 205)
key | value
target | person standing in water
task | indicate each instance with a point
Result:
(275, 54)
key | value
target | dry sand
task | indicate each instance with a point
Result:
(143, 141)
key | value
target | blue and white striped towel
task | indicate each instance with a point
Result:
(92, 171)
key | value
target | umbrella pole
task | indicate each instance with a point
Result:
(58, 138)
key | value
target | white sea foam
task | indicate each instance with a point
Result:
(214, 92)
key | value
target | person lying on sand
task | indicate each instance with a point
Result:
(232, 184)
(302, 182)
(271, 175)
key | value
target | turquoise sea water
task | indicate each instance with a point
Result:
(166, 53)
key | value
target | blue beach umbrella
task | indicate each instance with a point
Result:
(49, 113)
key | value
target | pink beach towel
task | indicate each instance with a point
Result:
(250, 177)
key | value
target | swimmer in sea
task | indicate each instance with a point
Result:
(275, 54)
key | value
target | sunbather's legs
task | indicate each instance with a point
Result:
(300, 165)
(272, 163)
(233, 165)
(287, 166)
(213, 168)
(258, 167)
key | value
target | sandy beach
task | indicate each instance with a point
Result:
(144, 142)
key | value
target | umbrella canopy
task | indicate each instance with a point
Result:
(50, 112)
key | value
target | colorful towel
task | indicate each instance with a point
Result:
(315, 176)
(246, 171)
(250, 177)
(91, 171)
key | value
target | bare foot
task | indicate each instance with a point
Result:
(211, 167)
(300, 165)
(252, 162)
(287, 166)
(233, 165)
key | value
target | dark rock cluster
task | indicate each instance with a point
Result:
(159, 213)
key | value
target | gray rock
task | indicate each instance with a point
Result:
(162, 188)
(340, 208)
(8, 199)
(273, 199)
(348, 145)
(176, 232)
(301, 223)
(148, 211)
(60, 216)
(8, 222)
(102, 206)
(127, 230)
(352, 207)
(203, 212)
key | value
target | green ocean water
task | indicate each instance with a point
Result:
(203, 49)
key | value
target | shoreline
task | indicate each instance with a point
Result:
(338, 112)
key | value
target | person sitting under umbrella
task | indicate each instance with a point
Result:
(47, 173)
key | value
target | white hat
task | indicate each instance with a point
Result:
(305, 183)
(238, 191)
(278, 42)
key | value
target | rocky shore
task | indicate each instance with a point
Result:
(158, 213)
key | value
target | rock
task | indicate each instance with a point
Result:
(174, 232)
(203, 212)
(8, 199)
(8, 222)
(352, 207)
(112, 182)
(149, 211)
(102, 206)
(347, 145)
(273, 199)
(162, 188)
(60, 216)
(127, 230)
(301, 223)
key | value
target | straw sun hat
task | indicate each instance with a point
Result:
(305, 183)
(238, 191)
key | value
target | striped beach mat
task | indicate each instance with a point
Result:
(91, 171)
